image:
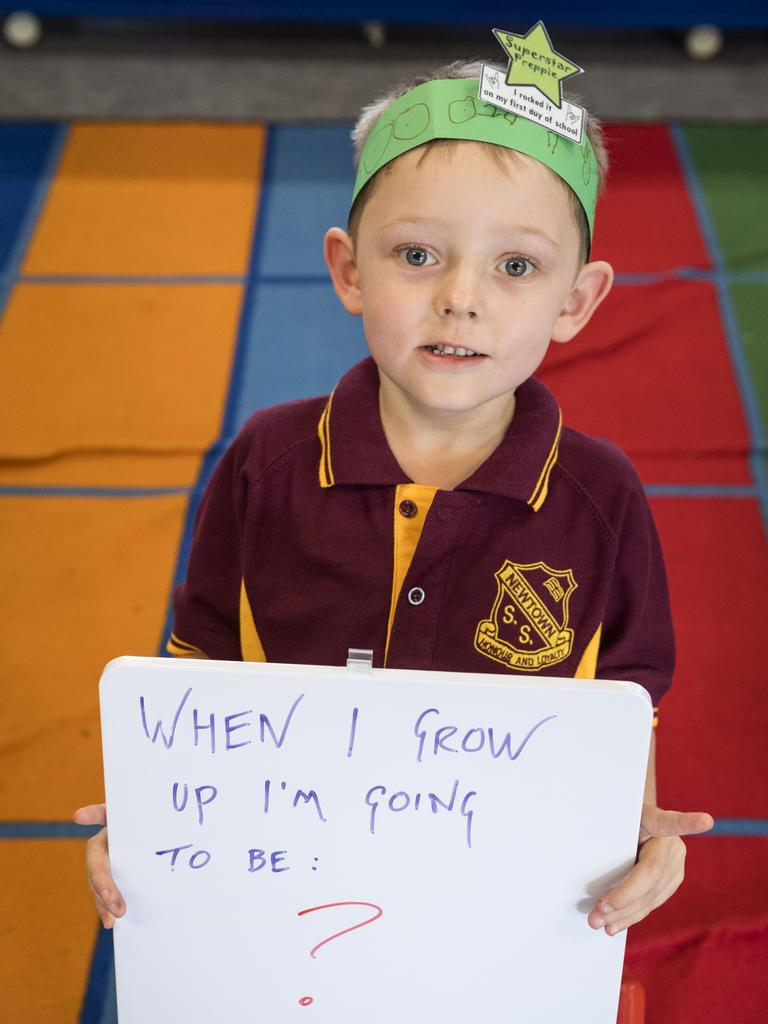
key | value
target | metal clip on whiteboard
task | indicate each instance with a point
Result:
(359, 660)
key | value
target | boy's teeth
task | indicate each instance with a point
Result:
(449, 350)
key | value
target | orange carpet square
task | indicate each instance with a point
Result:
(151, 199)
(84, 581)
(97, 369)
(96, 469)
(48, 930)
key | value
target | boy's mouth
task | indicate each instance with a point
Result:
(449, 350)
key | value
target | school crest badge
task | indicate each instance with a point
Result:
(527, 629)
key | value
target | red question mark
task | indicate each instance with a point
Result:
(307, 1000)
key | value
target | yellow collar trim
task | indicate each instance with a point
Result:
(325, 471)
(539, 495)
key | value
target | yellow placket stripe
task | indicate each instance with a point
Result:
(539, 494)
(250, 643)
(179, 649)
(587, 667)
(324, 433)
(407, 531)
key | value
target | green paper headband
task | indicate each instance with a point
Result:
(450, 109)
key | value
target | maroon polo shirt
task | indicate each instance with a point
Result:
(310, 540)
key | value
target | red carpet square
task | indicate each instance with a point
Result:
(646, 220)
(652, 373)
(712, 750)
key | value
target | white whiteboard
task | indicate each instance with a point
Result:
(483, 845)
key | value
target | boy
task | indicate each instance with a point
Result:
(433, 508)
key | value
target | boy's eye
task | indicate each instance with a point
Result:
(415, 255)
(517, 266)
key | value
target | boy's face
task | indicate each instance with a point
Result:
(455, 249)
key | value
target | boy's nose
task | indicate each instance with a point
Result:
(459, 296)
(459, 309)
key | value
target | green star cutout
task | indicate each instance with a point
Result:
(532, 61)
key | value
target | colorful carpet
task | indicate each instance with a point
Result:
(158, 283)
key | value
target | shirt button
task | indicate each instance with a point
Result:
(408, 508)
(416, 595)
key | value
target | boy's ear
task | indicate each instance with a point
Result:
(592, 284)
(339, 253)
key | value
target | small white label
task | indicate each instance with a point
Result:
(530, 103)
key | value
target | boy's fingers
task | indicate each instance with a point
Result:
(109, 902)
(97, 865)
(91, 814)
(640, 910)
(660, 859)
(107, 919)
(631, 912)
(658, 872)
(656, 822)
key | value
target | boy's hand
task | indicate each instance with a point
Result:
(109, 903)
(658, 871)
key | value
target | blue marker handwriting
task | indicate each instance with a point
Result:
(379, 798)
(185, 727)
(273, 862)
(204, 795)
(196, 860)
(217, 733)
(452, 739)
(258, 859)
(303, 797)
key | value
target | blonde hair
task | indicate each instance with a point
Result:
(466, 69)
